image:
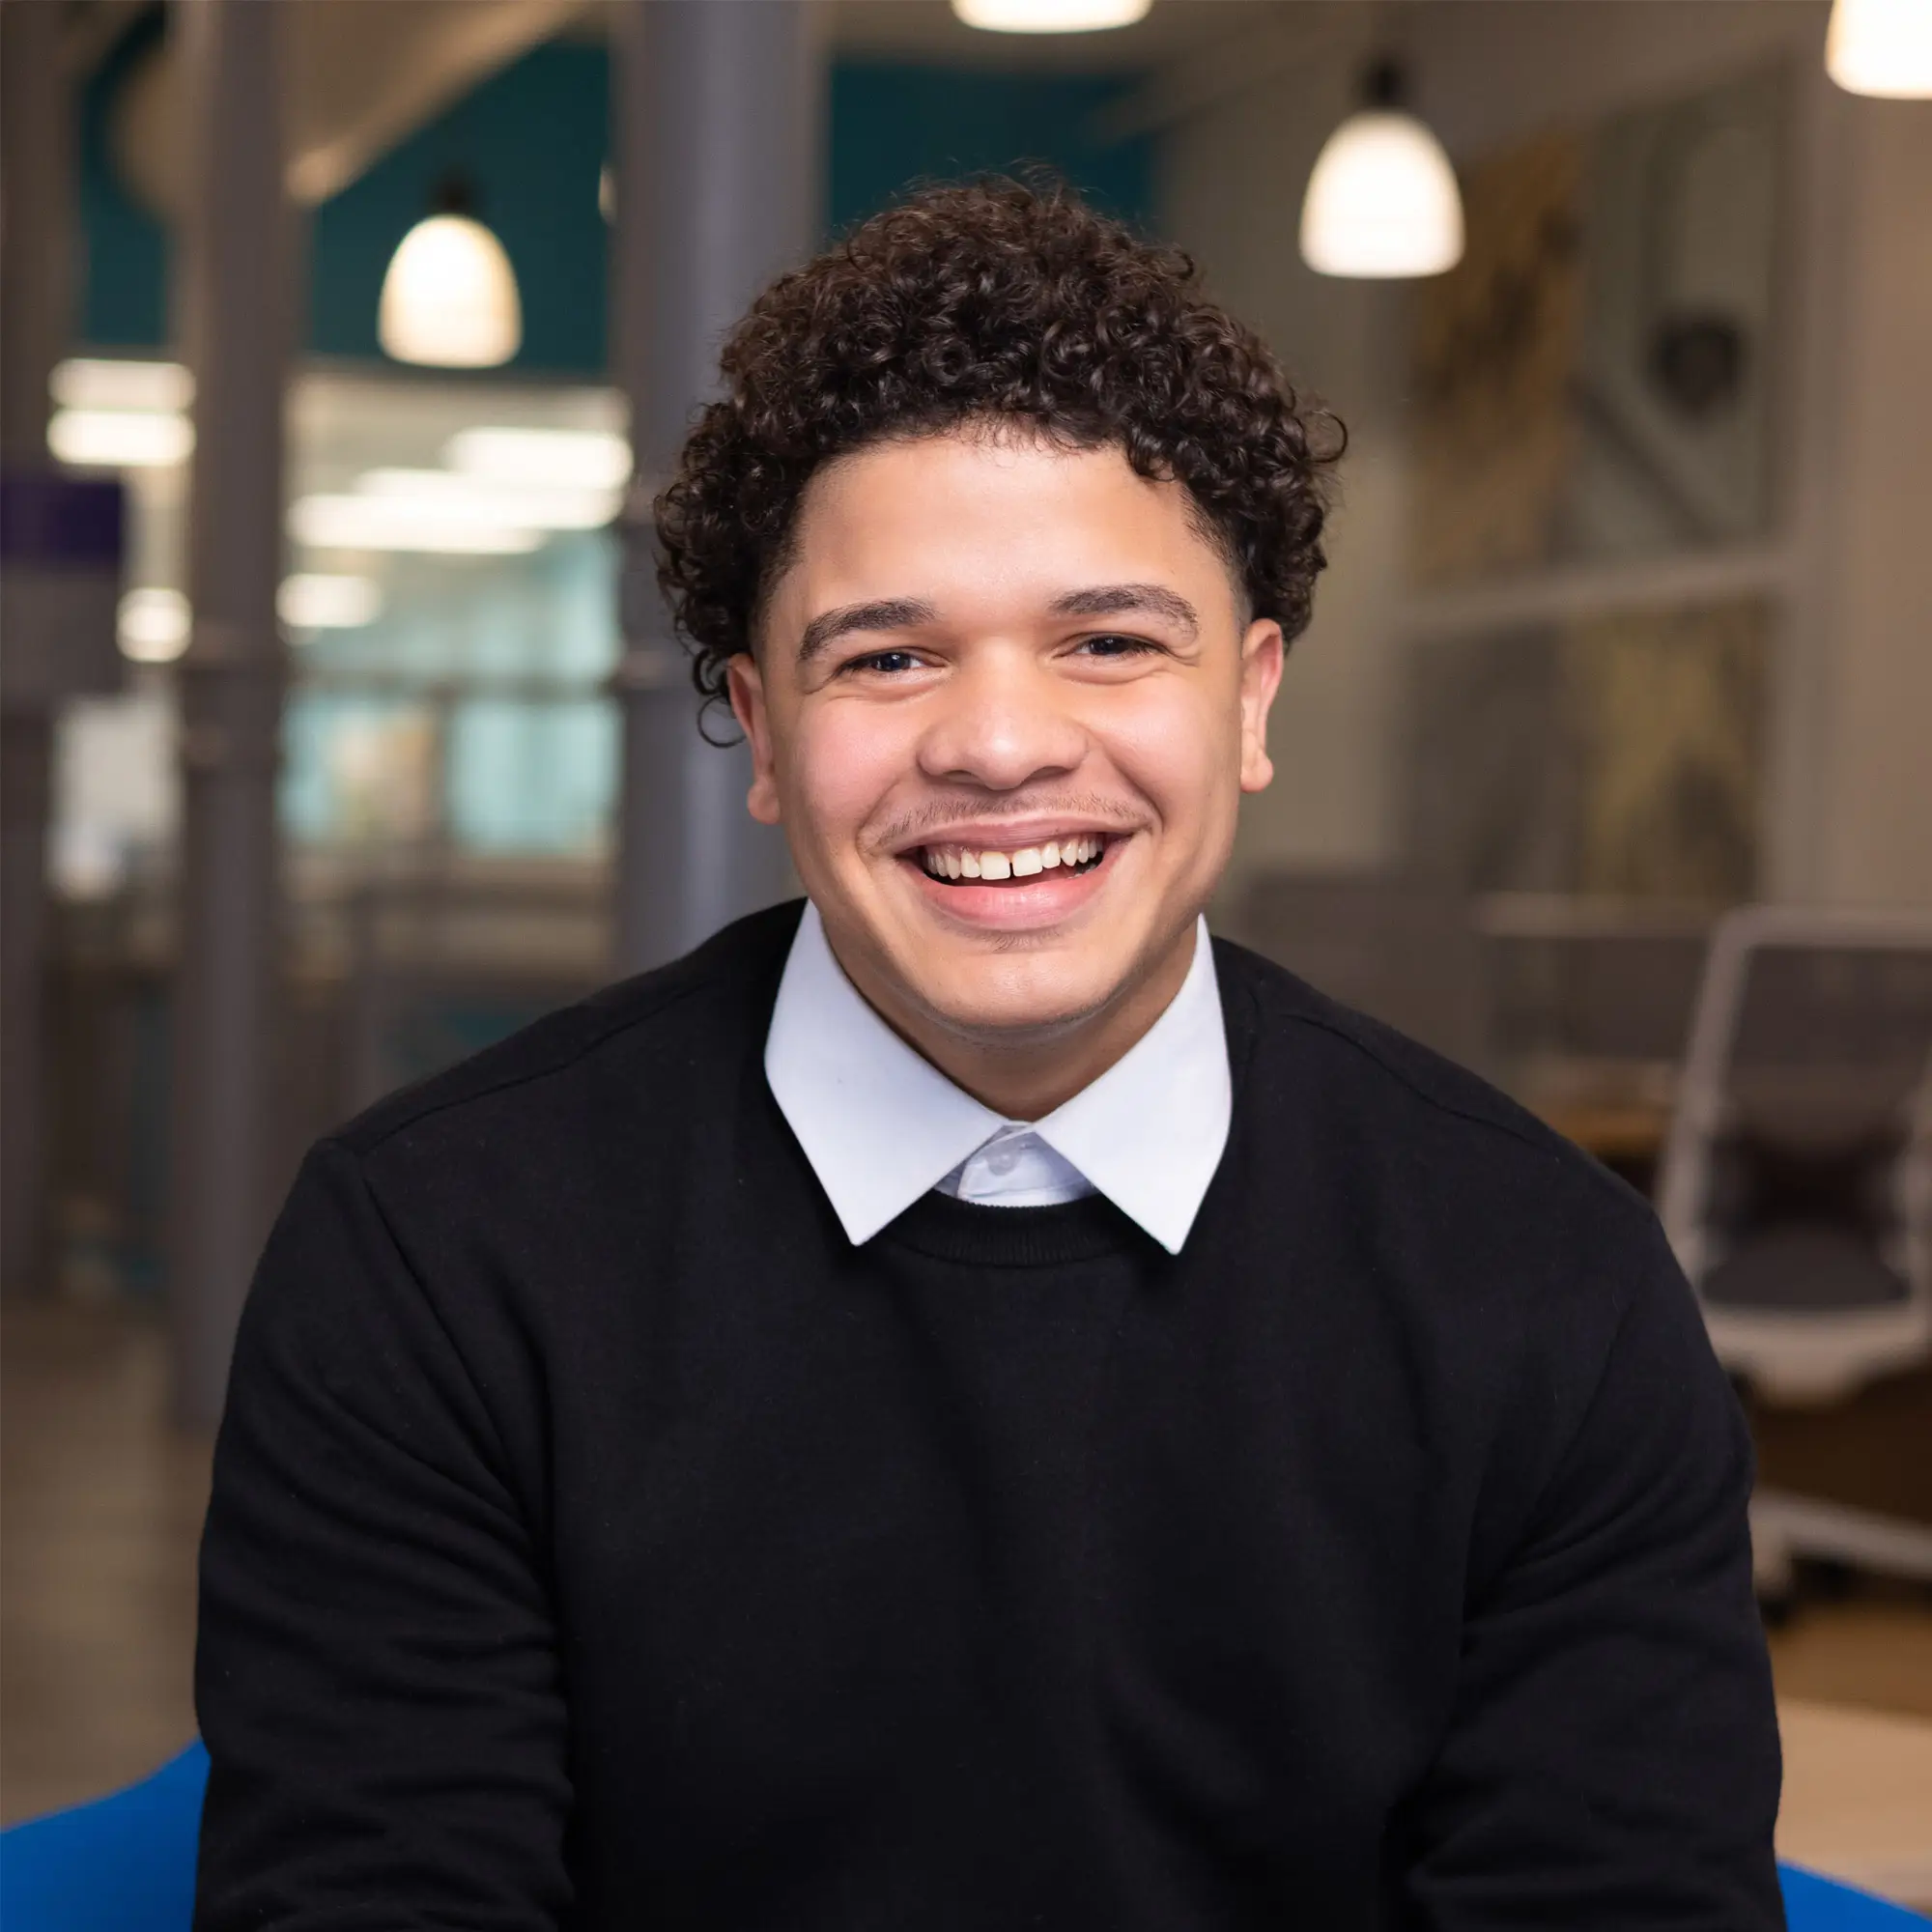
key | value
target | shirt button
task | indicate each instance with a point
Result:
(1003, 1160)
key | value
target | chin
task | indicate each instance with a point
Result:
(1018, 996)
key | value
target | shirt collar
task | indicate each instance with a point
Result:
(882, 1126)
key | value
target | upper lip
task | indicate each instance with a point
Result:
(1012, 834)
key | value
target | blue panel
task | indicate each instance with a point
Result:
(64, 523)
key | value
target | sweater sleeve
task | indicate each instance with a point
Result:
(377, 1674)
(1612, 1759)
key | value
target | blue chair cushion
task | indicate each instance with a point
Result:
(126, 1863)
(122, 1863)
(1814, 1904)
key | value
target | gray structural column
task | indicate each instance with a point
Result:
(236, 298)
(36, 223)
(717, 112)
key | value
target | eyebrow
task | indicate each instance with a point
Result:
(899, 613)
(884, 614)
(1111, 600)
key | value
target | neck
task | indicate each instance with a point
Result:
(1025, 1074)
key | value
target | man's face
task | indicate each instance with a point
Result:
(1003, 705)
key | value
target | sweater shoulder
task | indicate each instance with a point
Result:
(1406, 1092)
(712, 992)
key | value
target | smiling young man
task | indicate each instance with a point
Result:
(967, 1404)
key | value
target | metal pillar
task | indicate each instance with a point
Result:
(237, 307)
(26, 742)
(36, 224)
(717, 112)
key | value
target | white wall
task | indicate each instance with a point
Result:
(1850, 814)
(1877, 827)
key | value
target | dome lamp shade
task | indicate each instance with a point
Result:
(1050, 17)
(449, 299)
(1383, 201)
(1882, 47)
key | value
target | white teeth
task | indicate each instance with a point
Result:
(956, 862)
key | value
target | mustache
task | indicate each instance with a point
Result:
(906, 827)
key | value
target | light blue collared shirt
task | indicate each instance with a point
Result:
(882, 1125)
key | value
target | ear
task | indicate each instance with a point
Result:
(1262, 654)
(747, 705)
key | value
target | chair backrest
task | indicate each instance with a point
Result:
(1797, 1181)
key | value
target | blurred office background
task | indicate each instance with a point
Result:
(343, 342)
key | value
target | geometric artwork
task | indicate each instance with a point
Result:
(1669, 710)
(1592, 380)
(1495, 354)
(1617, 754)
(1674, 383)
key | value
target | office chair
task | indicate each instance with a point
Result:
(1797, 1183)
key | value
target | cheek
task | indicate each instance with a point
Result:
(1175, 745)
(844, 760)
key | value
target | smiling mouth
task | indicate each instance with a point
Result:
(975, 864)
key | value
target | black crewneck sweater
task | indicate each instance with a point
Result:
(598, 1539)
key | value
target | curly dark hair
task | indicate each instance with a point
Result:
(990, 301)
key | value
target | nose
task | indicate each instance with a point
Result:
(1002, 721)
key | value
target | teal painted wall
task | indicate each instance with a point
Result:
(123, 269)
(531, 140)
(893, 125)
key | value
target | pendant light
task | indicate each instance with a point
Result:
(1050, 17)
(449, 298)
(1383, 200)
(1882, 47)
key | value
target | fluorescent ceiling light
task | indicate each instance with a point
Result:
(153, 625)
(449, 298)
(364, 521)
(1882, 47)
(97, 382)
(569, 459)
(1050, 17)
(1383, 200)
(445, 494)
(119, 438)
(315, 601)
